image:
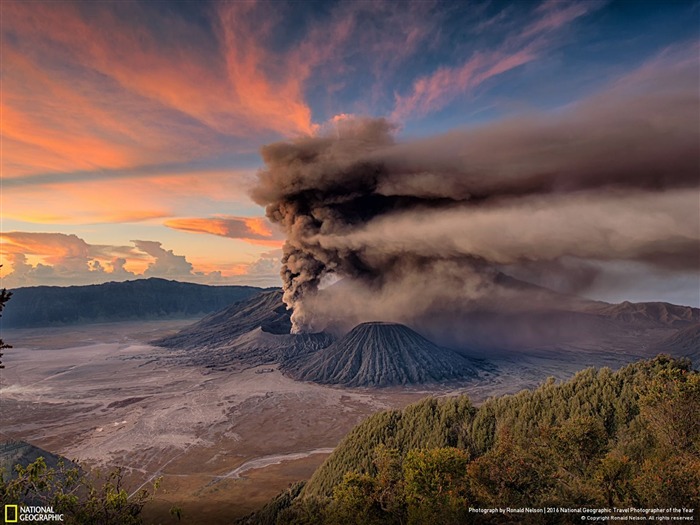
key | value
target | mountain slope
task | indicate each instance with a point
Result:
(610, 397)
(646, 314)
(140, 299)
(603, 437)
(380, 354)
(264, 310)
(685, 342)
(254, 348)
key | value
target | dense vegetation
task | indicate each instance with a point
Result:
(629, 438)
(82, 498)
(138, 300)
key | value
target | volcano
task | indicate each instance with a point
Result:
(248, 333)
(381, 354)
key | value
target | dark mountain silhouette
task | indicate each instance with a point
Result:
(140, 299)
(381, 354)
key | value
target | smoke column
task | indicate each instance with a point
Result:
(415, 224)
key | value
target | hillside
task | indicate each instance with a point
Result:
(255, 331)
(253, 348)
(685, 342)
(252, 332)
(602, 439)
(141, 299)
(381, 354)
(264, 310)
(644, 314)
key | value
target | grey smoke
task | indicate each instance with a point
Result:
(410, 225)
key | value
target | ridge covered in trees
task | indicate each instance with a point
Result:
(629, 438)
(139, 299)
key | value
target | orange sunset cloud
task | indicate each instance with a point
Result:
(58, 258)
(118, 200)
(254, 230)
(89, 90)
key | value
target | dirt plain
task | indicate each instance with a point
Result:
(223, 442)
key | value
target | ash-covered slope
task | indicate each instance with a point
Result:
(381, 354)
(256, 332)
(248, 333)
(264, 310)
(256, 348)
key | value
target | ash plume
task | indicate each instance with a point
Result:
(412, 225)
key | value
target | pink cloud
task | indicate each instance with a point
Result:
(558, 14)
(153, 197)
(433, 92)
(437, 90)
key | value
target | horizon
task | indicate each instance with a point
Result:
(279, 287)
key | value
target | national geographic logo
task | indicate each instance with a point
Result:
(11, 513)
(22, 514)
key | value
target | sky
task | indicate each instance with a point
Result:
(131, 131)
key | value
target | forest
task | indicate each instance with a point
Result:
(604, 439)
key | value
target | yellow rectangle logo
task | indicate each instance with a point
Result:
(14, 513)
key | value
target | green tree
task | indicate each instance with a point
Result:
(390, 483)
(436, 485)
(81, 498)
(669, 406)
(4, 297)
(511, 474)
(579, 442)
(614, 477)
(669, 482)
(355, 501)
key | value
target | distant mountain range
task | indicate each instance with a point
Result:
(684, 342)
(141, 299)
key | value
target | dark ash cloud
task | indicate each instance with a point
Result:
(432, 221)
